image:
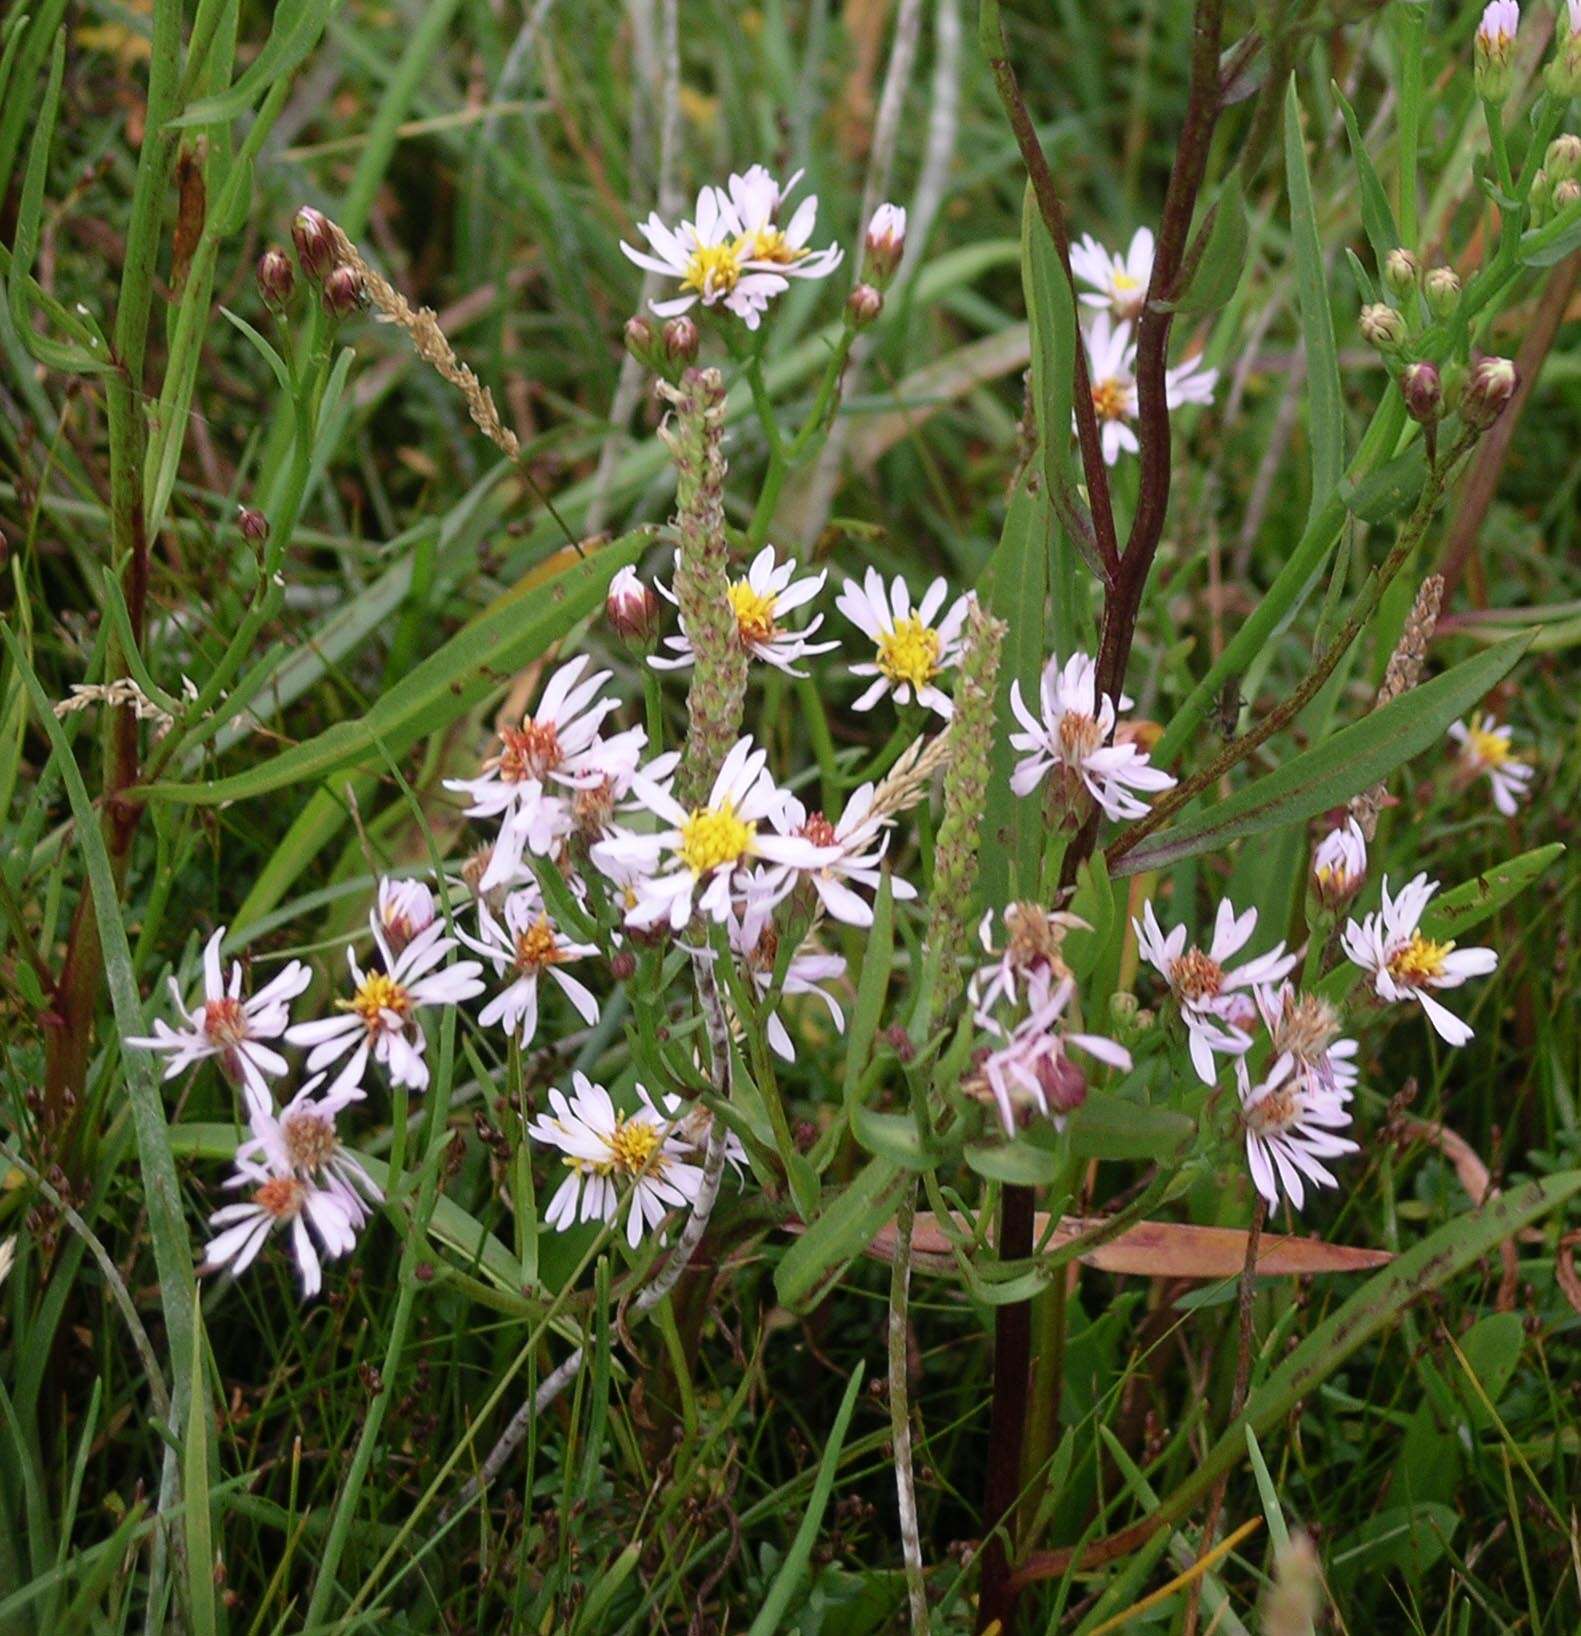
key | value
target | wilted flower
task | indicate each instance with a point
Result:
(1032, 1066)
(760, 599)
(1405, 965)
(227, 1027)
(1290, 1125)
(301, 1139)
(912, 650)
(1072, 732)
(1485, 750)
(1212, 997)
(1030, 956)
(1116, 282)
(612, 1156)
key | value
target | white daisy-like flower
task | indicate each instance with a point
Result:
(1116, 282)
(1111, 369)
(757, 199)
(1032, 1066)
(1110, 373)
(227, 1027)
(760, 599)
(555, 751)
(857, 843)
(756, 941)
(709, 853)
(1072, 731)
(282, 1197)
(1485, 750)
(1290, 1124)
(381, 1017)
(1030, 959)
(610, 1155)
(1339, 864)
(707, 255)
(913, 650)
(301, 1140)
(1213, 1000)
(523, 945)
(405, 908)
(1405, 965)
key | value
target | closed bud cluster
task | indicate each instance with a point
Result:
(632, 609)
(1423, 392)
(1401, 271)
(886, 244)
(1495, 50)
(1382, 326)
(276, 279)
(863, 305)
(1489, 388)
(315, 248)
(343, 292)
(1442, 289)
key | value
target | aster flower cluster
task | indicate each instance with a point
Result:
(1115, 294)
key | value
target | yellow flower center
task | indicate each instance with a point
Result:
(536, 947)
(225, 1021)
(768, 244)
(714, 836)
(1492, 749)
(754, 613)
(1110, 399)
(1196, 976)
(1419, 961)
(909, 652)
(634, 1147)
(712, 269)
(377, 995)
(281, 1196)
(1122, 282)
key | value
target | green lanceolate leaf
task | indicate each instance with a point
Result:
(1376, 215)
(871, 989)
(1111, 1127)
(439, 691)
(1329, 774)
(840, 1233)
(1390, 490)
(1454, 913)
(1325, 409)
(1223, 256)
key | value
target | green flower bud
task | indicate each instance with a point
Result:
(1563, 159)
(1401, 271)
(1442, 289)
(1489, 388)
(1382, 326)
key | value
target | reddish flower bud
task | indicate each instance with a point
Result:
(1489, 388)
(863, 305)
(1423, 392)
(631, 608)
(1063, 1084)
(640, 340)
(343, 292)
(315, 247)
(623, 966)
(253, 524)
(681, 340)
(276, 279)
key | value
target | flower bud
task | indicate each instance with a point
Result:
(1489, 388)
(1423, 391)
(1563, 74)
(1401, 271)
(631, 608)
(1563, 159)
(315, 248)
(1063, 1084)
(681, 340)
(1541, 197)
(276, 279)
(886, 243)
(253, 524)
(343, 292)
(1442, 289)
(641, 341)
(863, 305)
(1566, 193)
(1495, 50)
(1382, 326)
(623, 965)
(1339, 865)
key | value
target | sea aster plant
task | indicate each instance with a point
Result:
(524, 945)
(760, 600)
(1118, 283)
(914, 646)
